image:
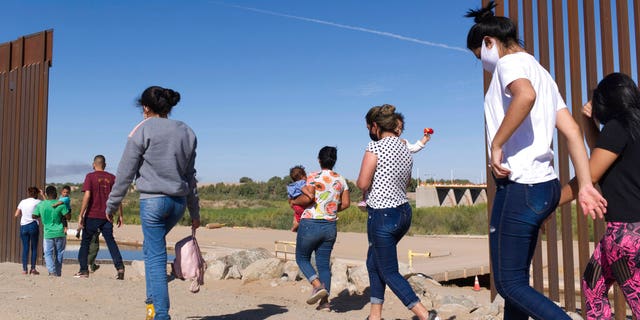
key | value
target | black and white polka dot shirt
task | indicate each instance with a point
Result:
(392, 175)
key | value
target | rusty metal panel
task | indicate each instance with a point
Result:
(24, 85)
(567, 20)
(606, 35)
(636, 28)
(551, 225)
(624, 58)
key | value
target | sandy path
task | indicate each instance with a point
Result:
(102, 297)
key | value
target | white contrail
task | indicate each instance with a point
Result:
(344, 26)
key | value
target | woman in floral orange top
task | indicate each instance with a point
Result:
(317, 231)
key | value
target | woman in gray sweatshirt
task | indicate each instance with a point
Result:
(160, 155)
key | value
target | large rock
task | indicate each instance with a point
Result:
(263, 269)
(452, 311)
(498, 305)
(233, 273)
(339, 279)
(404, 269)
(242, 259)
(216, 270)
(291, 271)
(466, 301)
(359, 277)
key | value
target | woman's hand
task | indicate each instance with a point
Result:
(587, 110)
(195, 224)
(592, 202)
(498, 170)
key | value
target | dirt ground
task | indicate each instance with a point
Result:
(102, 297)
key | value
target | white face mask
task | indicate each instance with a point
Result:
(489, 57)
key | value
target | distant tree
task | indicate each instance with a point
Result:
(245, 180)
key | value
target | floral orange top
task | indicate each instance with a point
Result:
(329, 187)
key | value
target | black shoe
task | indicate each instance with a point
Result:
(120, 275)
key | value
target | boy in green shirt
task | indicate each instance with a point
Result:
(55, 240)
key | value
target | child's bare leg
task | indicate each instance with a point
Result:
(294, 228)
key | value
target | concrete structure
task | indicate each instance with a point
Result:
(450, 195)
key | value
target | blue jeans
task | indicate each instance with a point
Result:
(385, 228)
(29, 234)
(54, 254)
(319, 236)
(91, 227)
(518, 211)
(158, 216)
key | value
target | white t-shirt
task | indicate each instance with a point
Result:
(27, 206)
(528, 152)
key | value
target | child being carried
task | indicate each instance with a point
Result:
(294, 190)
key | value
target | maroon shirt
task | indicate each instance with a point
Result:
(99, 184)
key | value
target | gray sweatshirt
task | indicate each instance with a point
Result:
(160, 154)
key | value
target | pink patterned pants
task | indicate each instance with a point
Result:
(615, 258)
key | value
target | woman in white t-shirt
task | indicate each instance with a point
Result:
(522, 107)
(29, 229)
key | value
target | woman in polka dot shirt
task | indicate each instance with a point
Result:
(385, 174)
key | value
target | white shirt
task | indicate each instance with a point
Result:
(27, 206)
(528, 152)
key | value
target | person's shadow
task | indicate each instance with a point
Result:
(345, 302)
(263, 312)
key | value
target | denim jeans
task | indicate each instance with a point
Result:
(319, 236)
(29, 234)
(385, 228)
(54, 254)
(158, 216)
(518, 211)
(91, 227)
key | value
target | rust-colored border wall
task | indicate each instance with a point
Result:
(24, 88)
(568, 33)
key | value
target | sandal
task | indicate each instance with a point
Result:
(120, 275)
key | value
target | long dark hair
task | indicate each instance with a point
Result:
(618, 97)
(487, 24)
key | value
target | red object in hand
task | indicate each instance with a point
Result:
(428, 131)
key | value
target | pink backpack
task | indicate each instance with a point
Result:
(189, 264)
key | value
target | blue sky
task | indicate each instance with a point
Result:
(264, 84)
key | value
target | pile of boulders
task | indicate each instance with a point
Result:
(259, 263)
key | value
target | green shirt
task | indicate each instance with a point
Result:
(51, 218)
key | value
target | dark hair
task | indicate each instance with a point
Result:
(371, 114)
(327, 157)
(159, 99)
(386, 117)
(297, 173)
(100, 160)
(51, 192)
(66, 187)
(487, 24)
(618, 97)
(33, 192)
